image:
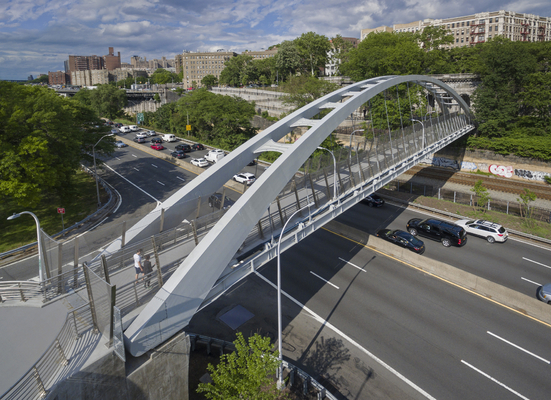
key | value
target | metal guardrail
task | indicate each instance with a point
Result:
(19, 290)
(34, 384)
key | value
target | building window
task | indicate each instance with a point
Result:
(453, 25)
(497, 19)
(490, 20)
(490, 29)
(467, 23)
(457, 40)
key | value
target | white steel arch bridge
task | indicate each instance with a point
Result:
(207, 270)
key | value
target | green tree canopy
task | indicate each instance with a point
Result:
(234, 70)
(107, 100)
(209, 80)
(287, 60)
(313, 49)
(304, 89)
(43, 138)
(162, 76)
(340, 50)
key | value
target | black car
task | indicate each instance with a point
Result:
(436, 229)
(156, 140)
(117, 124)
(139, 140)
(373, 201)
(403, 239)
(178, 154)
(184, 147)
(197, 146)
(215, 201)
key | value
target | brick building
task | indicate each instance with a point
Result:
(58, 78)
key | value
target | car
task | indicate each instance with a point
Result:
(184, 147)
(141, 135)
(446, 232)
(402, 238)
(373, 200)
(157, 147)
(544, 293)
(169, 137)
(199, 162)
(114, 131)
(151, 133)
(485, 229)
(119, 144)
(125, 129)
(214, 155)
(197, 146)
(215, 200)
(244, 177)
(178, 154)
(156, 140)
(117, 125)
(139, 140)
(134, 128)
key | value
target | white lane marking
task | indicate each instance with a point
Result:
(325, 280)
(134, 155)
(182, 179)
(528, 280)
(518, 347)
(118, 158)
(535, 262)
(154, 165)
(133, 184)
(136, 169)
(349, 339)
(355, 266)
(494, 380)
(161, 183)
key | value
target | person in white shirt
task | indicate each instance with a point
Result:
(138, 263)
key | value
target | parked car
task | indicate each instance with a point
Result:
(445, 232)
(197, 146)
(156, 140)
(214, 155)
(215, 200)
(157, 147)
(199, 162)
(139, 140)
(178, 154)
(117, 125)
(544, 293)
(119, 144)
(134, 128)
(485, 229)
(151, 133)
(244, 177)
(184, 147)
(373, 200)
(141, 135)
(115, 131)
(403, 239)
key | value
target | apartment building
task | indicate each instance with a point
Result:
(58, 78)
(332, 66)
(112, 61)
(258, 55)
(478, 28)
(198, 65)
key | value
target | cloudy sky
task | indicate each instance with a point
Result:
(36, 36)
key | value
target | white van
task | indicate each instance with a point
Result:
(169, 137)
(214, 155)
(125, 129)
(134, 128)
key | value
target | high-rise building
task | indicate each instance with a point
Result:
(112, 61)
(58, 78)
(198, 65)
(480, 27)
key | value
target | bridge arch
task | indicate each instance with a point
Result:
(180, 297)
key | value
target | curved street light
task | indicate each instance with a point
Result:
(279, 318)
(334, 172)
(38, 237)
(95, 173)
(423, 125)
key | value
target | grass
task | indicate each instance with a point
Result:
(78, 205)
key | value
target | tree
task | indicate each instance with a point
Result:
(482, 195)
(234, 72)
(246, 373)
(43, 139)
(305, 89)
(526, 198)
(209, 80)
(313, 49)
(287, 59)
(433, 40)
(108, 101)
(157, 98)
(339, 51)
(161, 76)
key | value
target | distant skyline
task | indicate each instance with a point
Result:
(38, 36)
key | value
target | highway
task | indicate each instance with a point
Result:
(452, 344)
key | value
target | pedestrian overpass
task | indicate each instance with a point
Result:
(212, 266)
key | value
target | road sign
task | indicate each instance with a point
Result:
(61, 211)
(139, 118)
(188, 127)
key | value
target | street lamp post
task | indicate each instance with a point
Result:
(95, 173)
(423, 125)
(279, 318)
(334, 171)
(38, 237)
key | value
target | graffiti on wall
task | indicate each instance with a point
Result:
(532, 175)
(501, 170)
(442, 162)
(468, 165)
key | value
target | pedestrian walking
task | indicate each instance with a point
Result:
(138, 264)
(147, 269)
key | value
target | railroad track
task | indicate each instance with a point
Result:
(541, 190)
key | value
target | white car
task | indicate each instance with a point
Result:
(114, 131)
(119, 144)
(151, 133)
(141, 135)
(485, 229)
(214, 155)
(125, 129)
(134, 128)
(244, 177)
(199, 162)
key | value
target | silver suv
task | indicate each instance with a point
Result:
(485, 229)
